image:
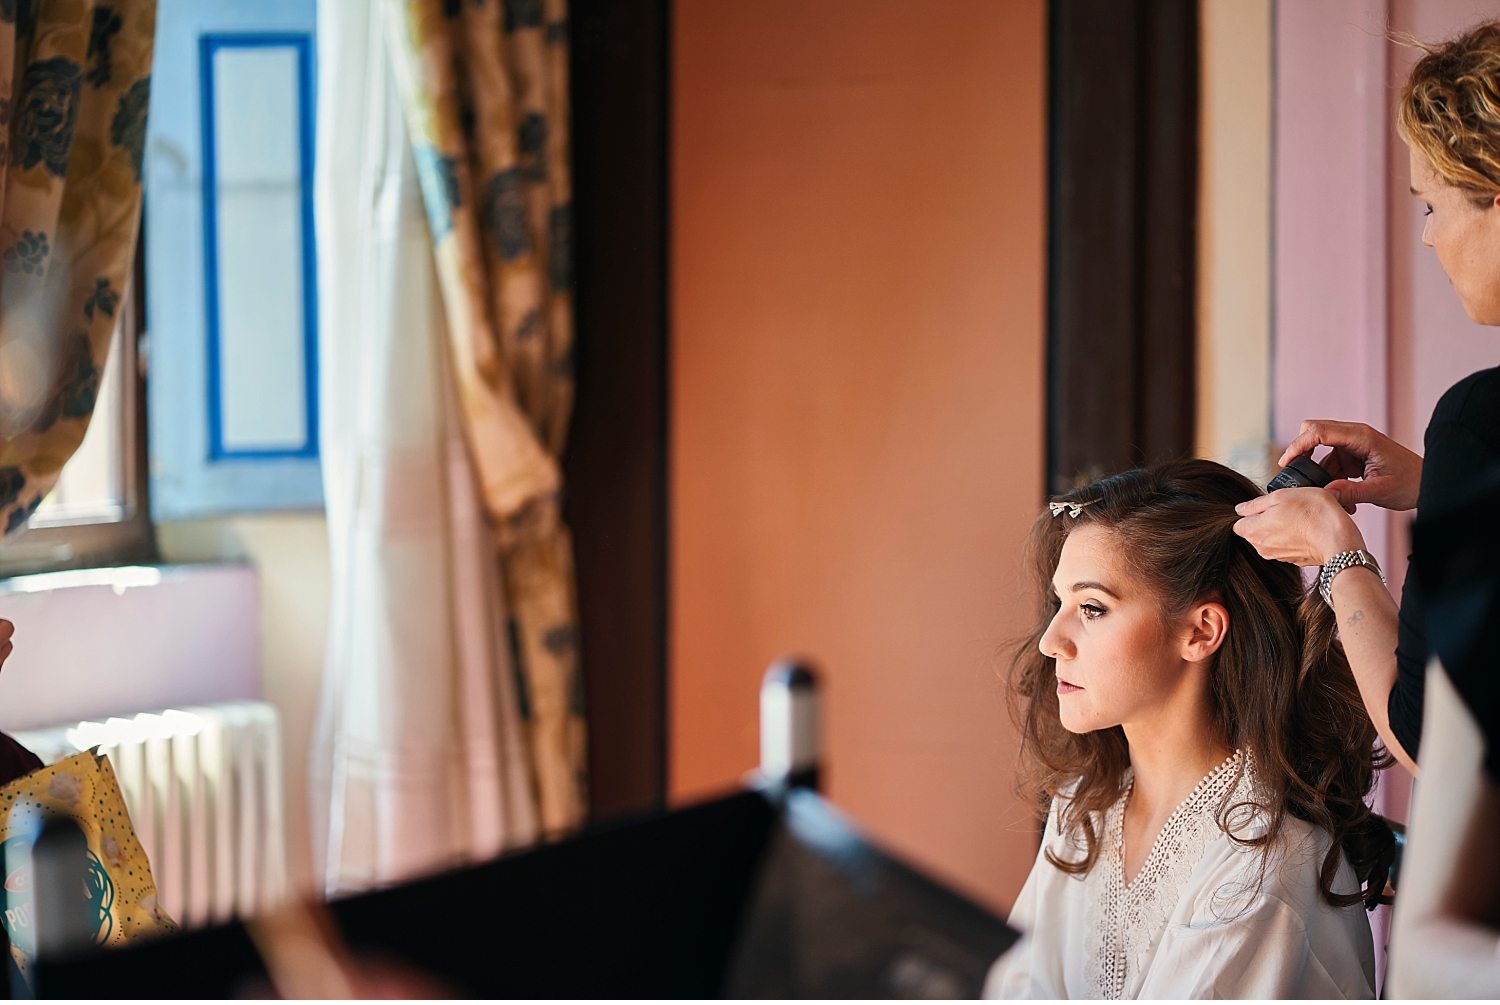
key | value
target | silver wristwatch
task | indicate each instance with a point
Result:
(1338, 563)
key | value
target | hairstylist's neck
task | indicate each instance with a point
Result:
(1169, 756)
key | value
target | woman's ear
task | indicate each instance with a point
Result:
(1208, 627)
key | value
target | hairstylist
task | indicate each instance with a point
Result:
(1449, 117)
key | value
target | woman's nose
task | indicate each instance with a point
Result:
(1054, 643)
(1427, 230)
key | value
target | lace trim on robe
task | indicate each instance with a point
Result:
(1128, 920)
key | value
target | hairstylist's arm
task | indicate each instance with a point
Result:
(1388, 474)
(1307, 527)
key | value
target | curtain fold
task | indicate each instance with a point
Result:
(418, 762)
(74, 84)
(484, 84)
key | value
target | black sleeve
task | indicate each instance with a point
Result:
(15, 760)
(1462, 444)
(1405, 703)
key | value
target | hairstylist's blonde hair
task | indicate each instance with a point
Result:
(1449, 110)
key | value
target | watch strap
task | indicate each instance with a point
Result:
(1338, 563)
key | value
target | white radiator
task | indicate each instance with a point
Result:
(203, 786)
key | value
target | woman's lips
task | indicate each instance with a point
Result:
(1063, 687)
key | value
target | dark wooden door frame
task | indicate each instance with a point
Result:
(1121, 275)
(615, 466)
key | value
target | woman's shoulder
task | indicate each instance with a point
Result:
(1066, 792)
(1243, 878)
(1062, 799)
(1061, 834)
(1263, 922)
(1296, 862)
(1064, 795)
(1473, 401)
(1462, 444)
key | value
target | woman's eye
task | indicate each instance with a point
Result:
(1091, 612)
(1427, 209)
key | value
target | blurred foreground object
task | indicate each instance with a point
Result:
(789, 725)
(74, 872)
(1446, 926)
(767, 892)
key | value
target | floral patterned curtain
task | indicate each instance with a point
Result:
(74, 83)
(485, 88)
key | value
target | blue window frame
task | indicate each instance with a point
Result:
(301, 46)
(230, 259)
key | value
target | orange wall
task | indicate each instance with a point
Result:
(858, 212)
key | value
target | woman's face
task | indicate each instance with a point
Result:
(1118, 661)
(1466, 238)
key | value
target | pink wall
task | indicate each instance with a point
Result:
(858, 206)
(1366, 326)
(1331, 181)
(146, 639)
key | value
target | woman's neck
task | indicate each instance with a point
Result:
(1169, 760)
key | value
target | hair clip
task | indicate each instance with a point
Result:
(1070, 508)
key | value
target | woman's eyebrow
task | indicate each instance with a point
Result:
(1089, 584)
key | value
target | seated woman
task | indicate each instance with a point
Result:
(1190, 717)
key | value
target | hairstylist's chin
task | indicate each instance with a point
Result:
(1474, 312)
(1483, 309)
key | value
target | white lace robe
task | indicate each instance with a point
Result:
(1198, 921)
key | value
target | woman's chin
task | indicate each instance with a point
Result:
(1075, 723)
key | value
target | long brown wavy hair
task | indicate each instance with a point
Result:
(1280, 686)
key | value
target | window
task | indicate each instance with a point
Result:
(210, 400)
(230, 275)
(97, 514)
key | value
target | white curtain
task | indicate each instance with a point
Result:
(419, 761)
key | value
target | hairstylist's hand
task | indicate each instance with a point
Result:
(1301, 526)
(1388, 474)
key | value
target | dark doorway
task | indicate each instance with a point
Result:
(615, 467)
(1123, 169)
